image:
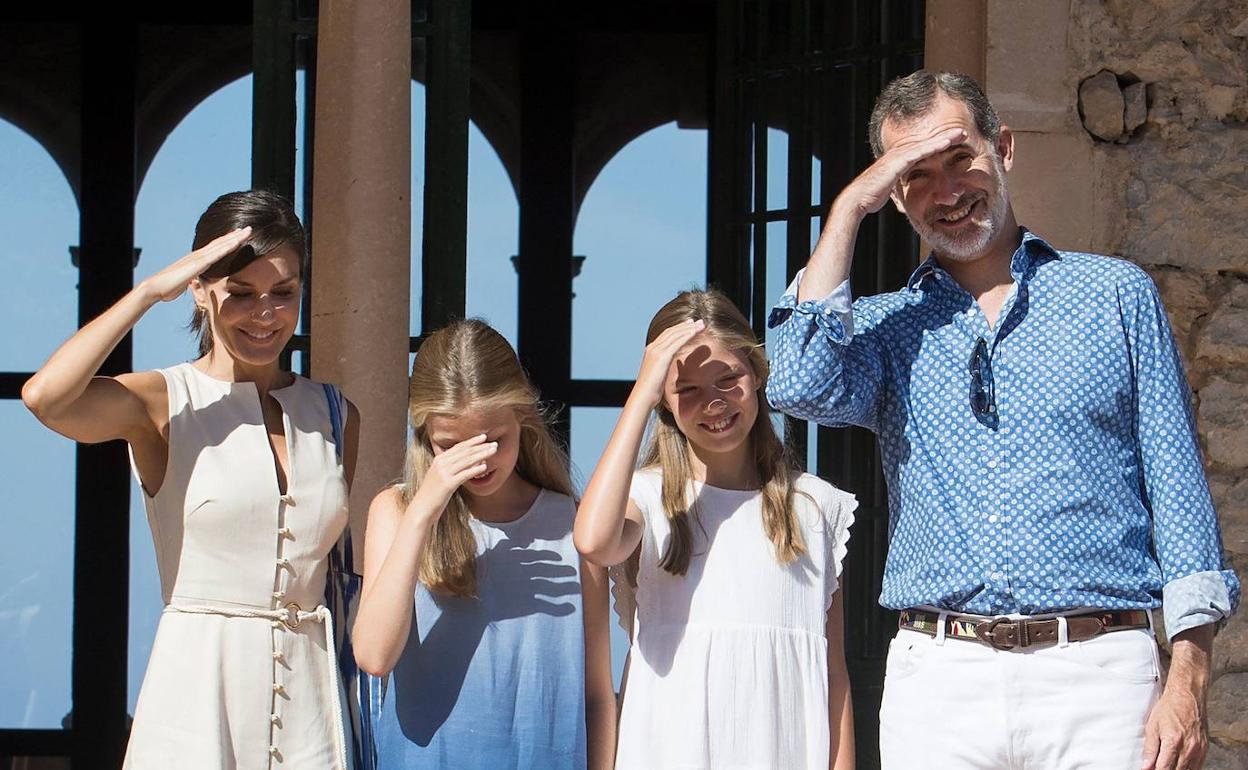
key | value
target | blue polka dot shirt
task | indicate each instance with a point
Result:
(1058, 469)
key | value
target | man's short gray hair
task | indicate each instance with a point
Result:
(911, 96)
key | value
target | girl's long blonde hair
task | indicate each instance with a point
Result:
(469, 365)
(668, 448)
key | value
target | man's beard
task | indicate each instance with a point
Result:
(969, 245)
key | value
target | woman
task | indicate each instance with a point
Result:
(245, 485)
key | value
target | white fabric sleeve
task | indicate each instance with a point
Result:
(838, 516)
(624, 598)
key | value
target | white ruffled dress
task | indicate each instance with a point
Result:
(728, 664)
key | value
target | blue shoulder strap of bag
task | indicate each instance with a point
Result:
(341, 558)
(364, 693)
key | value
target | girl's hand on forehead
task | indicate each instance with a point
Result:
(168, 284)
(659, 356)
(450, 470)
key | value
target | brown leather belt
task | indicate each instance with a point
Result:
(1006, 634)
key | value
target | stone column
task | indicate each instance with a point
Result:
(1059, 186)
(955, 37)
(361, 227)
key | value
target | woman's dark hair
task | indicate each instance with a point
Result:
(273, 224)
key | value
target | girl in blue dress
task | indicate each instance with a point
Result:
(491, 631)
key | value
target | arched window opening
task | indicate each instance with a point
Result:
(493, 230)
(644, 216)
(642, 233)
(209, 153)
(38, 311)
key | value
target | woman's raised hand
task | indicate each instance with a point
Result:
(168, 284)
(659, 356)
(449, 471)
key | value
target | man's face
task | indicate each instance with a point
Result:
(956, 200)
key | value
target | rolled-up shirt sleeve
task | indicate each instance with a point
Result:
(821, 369)
(1197, 589)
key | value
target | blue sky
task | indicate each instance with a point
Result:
(644, 216)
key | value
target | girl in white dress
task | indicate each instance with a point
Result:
(245, 483)
(737, 658)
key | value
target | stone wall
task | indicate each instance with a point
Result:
(1132, 137)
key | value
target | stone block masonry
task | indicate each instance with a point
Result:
(1183, 215)
(1133, 140)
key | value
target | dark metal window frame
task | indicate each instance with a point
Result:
(108, 188)
(284, 36)
(879, 39)
(813, 68)
(446, 29)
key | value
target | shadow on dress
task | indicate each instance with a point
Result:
(516, 581)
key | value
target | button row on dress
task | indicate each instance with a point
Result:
(278, 657)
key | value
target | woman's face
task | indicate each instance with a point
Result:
(253, 313)
(712, 392)
(498, 424)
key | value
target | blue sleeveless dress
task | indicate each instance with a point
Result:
(496, 682)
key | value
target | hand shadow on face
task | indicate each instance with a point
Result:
(697, 367)
(514, 582)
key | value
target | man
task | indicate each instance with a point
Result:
(1045, 485)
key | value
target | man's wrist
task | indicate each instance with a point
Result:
(1190, 657)
(847, 212)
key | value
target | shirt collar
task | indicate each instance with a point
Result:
(1031, 252)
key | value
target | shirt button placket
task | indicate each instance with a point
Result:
(994, 495)
(1003, 529)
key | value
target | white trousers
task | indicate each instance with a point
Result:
(954, 704)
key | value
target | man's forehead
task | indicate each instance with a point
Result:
(944, 113)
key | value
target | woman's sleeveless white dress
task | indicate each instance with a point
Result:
(229, 685)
